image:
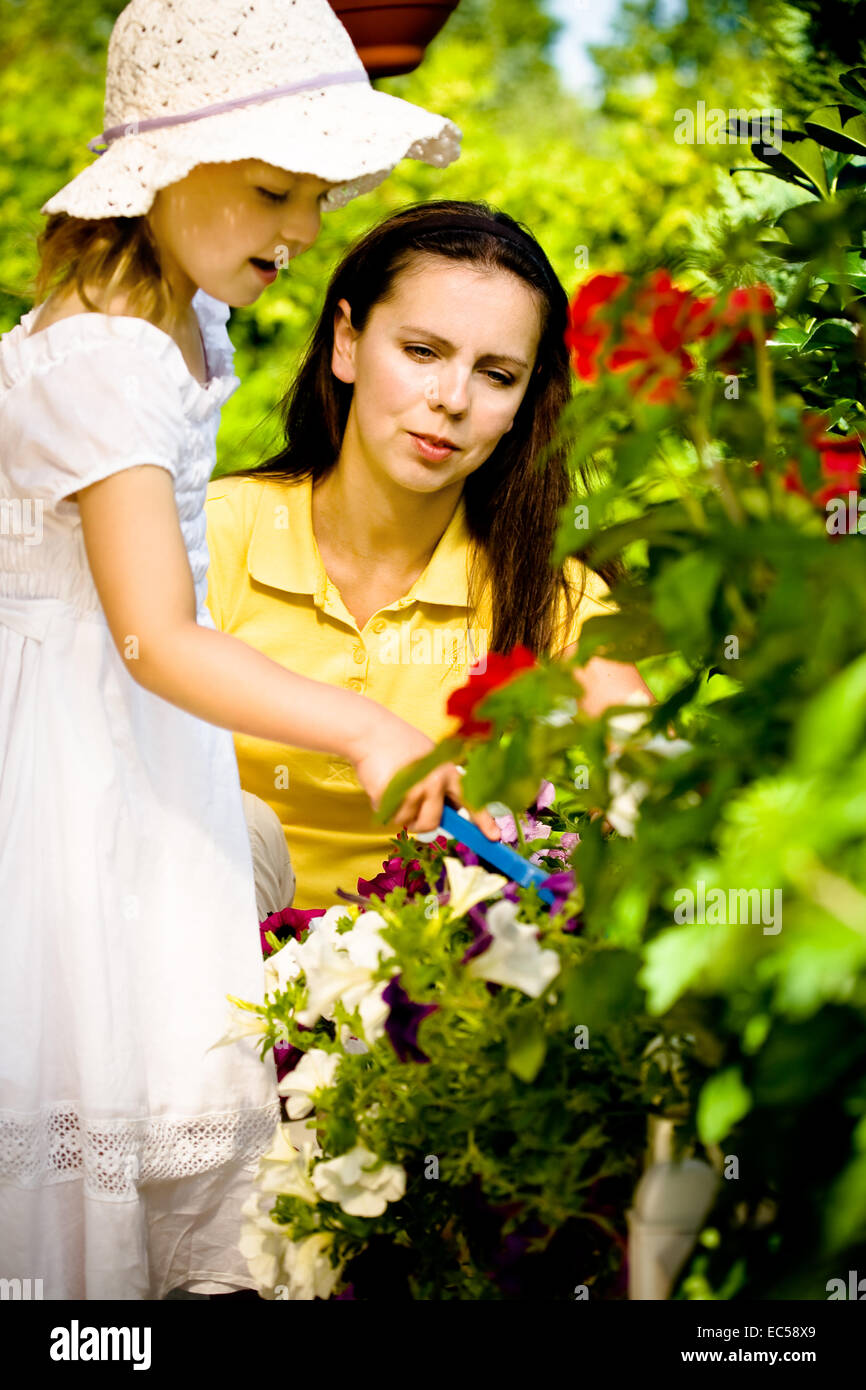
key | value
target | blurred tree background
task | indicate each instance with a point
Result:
(603, 186)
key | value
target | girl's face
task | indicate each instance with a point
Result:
(447, 358)
(213, 225)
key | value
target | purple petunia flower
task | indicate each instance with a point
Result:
(287, 1056)
(561, 885)
(463, 853)
(532, 829)
(481, 936)
(395, 873)
(402, 1022)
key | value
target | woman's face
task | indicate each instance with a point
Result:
(214, 224)
(448, 357)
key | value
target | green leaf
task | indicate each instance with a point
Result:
(603, 990)
(839, 128)
(527, 1046)
(684, 594)
(627, 636)
(845, 1221)
(832, 724)
(782, 251)
(800, 158)
(787, 335)
(829, 335)
(405, 779)
(806, 156)
(722, 1103)
(854, 82)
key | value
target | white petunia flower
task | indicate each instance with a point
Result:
(285, 1169)
(340, 966)
(262, 1243)
(328, 920)
(330, 975)
(623, 810)
(315, 1072)
(348, 1181)
(350, 1041)
(373, 1011)
(284, 1268)
(469, 885)
(514, 957)
(242, 1023)
(282, 967)
(363, 944)
(308, 1269)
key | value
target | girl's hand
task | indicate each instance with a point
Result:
(388, 746)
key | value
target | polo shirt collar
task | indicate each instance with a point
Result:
(283, 553)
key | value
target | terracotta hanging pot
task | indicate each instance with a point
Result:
(391, 35)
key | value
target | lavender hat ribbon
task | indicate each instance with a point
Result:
(136, 127)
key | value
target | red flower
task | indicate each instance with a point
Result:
(737, 313)
(664, 320)
(462, 703)
(586, 334)
(742, 303)
(841, 458)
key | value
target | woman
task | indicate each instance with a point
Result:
(404, 529)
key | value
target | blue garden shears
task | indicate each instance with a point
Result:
(493, 853)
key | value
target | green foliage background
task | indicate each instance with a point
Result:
(601, 188)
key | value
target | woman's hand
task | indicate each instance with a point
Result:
(387, 746)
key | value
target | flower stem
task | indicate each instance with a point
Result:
(764, 370)
(713, 463)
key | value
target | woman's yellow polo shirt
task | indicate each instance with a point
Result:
(268, 586)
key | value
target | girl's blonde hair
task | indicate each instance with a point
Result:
(118, 252)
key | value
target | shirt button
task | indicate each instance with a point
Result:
(379, 625)
(354, 684)
(359, 654)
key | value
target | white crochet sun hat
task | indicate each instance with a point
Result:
(212, 81)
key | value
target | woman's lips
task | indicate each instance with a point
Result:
(433, 453)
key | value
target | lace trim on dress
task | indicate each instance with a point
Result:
(116, 1157)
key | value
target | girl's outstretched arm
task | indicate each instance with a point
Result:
(140, 567)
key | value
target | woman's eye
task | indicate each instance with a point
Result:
(273, 197)
(498, 378)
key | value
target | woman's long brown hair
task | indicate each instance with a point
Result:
(513, 500)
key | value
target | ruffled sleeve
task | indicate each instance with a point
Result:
(89, 402)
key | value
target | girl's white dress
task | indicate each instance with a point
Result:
(127, 908)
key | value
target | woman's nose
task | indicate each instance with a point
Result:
(453, 387)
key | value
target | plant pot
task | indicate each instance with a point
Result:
(391, 36)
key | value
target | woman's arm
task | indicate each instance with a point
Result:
(606, 683)
(138, 559)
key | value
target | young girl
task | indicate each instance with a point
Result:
(125, 875)
(422, 490)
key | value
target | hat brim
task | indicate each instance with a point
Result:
(350, 135)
